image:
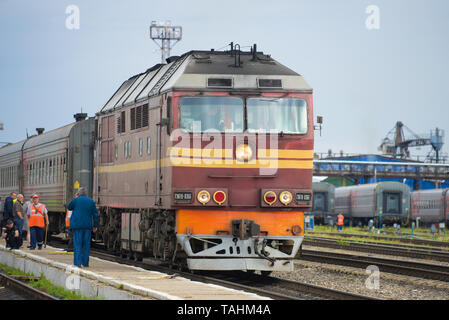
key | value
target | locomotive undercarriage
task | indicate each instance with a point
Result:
(265, 253)
(139, 233)
(149, 232)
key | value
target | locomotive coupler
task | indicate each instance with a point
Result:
(244, 229)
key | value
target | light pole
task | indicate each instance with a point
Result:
(165, 33)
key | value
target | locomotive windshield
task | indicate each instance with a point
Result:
(278, 115)
(224, 114)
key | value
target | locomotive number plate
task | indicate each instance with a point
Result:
(183, 197)
(303, 197)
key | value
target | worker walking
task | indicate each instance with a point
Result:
(340, 220)
(37, 221)
(83, 221)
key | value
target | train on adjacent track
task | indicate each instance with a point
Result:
(323, 203)
(205, 161)
(389, 202)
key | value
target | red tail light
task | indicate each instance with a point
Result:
(269, 197)
(219, 197)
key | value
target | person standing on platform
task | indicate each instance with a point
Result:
(25, 221)
(340, 220)
(8, 212)
(83, 221)
(37, 221)
(19, 213)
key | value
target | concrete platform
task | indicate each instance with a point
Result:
(110, 280)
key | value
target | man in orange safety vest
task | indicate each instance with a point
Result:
(37, 220)
(340, 219)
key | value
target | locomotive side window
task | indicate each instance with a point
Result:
(199, 114)
(275, 114)
(140, 146)
(148, 145)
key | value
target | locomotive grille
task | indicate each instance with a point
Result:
(219, 82)
(269, 83)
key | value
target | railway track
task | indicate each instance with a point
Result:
(409, 268)
(387, 249)
(271, 287)
(432, 243)
(13, 289)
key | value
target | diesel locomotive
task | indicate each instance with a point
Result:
(205, 161)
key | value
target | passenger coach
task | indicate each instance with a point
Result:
(430, 206)
(51, 164)
(389, 201)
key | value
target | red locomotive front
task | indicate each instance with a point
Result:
(231, 175)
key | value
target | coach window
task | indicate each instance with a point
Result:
(54, 170)
(47, 171)
(148, 145)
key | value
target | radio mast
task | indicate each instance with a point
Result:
(165, 36)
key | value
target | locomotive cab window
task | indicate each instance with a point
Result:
(285, 115)
(199, 114)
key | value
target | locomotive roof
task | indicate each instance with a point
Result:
(192, 70)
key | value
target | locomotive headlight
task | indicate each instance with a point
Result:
(203, 196)
(285, 197)
(243, 152)
(269, 197)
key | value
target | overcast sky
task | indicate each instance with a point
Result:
(364, 80)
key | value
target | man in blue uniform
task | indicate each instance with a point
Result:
(83, 221)
(9, 207)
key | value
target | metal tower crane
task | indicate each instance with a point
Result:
(400, 144)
